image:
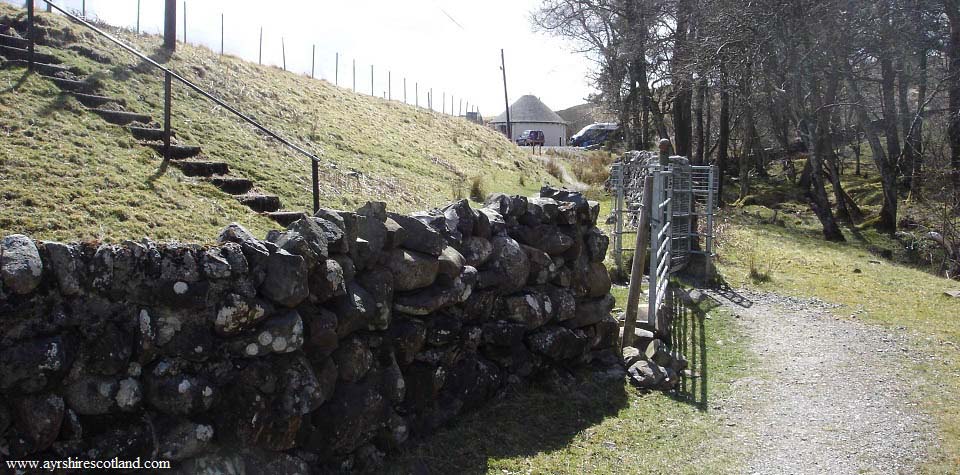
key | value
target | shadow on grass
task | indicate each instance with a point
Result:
(688, 338)
(526, 422)
(20, 81)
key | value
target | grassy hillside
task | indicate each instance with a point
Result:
(66, 174)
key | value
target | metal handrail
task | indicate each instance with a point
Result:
(170, 74)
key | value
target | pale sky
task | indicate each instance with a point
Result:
(452, 46)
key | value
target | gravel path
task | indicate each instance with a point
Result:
(831, 395)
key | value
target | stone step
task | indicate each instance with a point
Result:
(10, 52)
(42, 68)
(71, 85)
(148, 133)
(121, 117)
(14, 41)
(94, 101)
(286, 218)
(177, 152)
(201, 168)
(233, 186)
(261, 203)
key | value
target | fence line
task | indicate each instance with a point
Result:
(387, 94)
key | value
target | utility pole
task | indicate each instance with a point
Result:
(184, 22)
(416, 94)
(506, 100)
(313, 63)
(389, 85)
(221, 32)
(371, 81)
(170, 25)
(404, 90)
(336, 70)
(283, 52)
(260, 54)
(354, 75)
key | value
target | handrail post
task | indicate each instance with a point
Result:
(167, 105)
(315, 169)
(30, 33)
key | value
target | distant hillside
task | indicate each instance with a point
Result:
(66, 174)
(582, 116)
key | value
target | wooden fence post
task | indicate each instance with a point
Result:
(170, 25)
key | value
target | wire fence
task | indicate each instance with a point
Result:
(382, 82)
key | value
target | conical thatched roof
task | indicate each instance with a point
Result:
(529, 109)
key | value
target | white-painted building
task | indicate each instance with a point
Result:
(528, 113)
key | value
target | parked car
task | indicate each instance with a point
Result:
(531, 137)
(594, 134)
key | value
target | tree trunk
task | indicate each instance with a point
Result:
(744, 161)
(915, 139)
(723, 141)
(833, 171)
(683, 95)
(635, 140)
(748, 130)
(699, 150)
(885, 164)
(822, 149)
(953, 90)
(888, 78)
(906, 163)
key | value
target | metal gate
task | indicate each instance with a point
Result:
(684, 198)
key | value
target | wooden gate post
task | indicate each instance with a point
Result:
(639, 257)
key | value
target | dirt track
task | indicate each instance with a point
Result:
(830, 395)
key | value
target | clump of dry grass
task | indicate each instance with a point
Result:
(592, 168)
(553, 168)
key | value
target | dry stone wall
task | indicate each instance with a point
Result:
(316, 349)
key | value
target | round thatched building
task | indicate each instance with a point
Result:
(529, 113)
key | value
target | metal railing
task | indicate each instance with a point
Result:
(683, 198)
(169, 76)
(662, 242)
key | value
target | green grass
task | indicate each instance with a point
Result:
(602, 427)
(69, 175)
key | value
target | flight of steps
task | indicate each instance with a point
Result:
(188, 158)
